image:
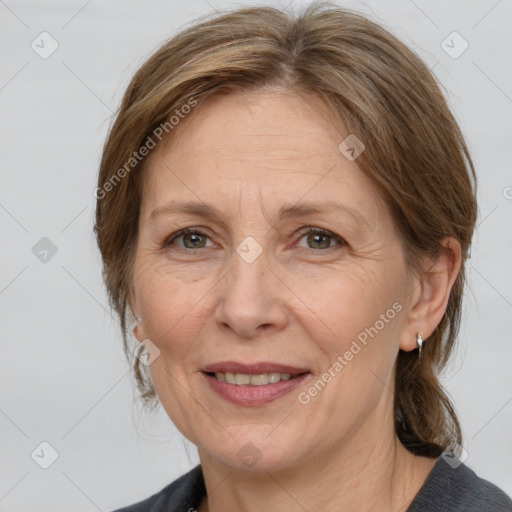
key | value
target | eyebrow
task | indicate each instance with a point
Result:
(285, 212)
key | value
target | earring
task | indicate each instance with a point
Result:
(419, 342)
(134, 324)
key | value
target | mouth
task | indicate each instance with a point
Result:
(253, 384)
(257, 379)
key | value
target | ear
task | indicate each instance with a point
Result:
(430, 294)
(137, 325)
(138, 331)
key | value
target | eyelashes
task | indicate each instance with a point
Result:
(317, 235)
(182, 233)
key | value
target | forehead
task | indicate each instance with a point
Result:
(275, 145)
(276, 122)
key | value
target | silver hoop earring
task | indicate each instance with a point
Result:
(419, 342)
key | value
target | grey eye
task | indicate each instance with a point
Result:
(195, 240)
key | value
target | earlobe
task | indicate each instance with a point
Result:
(136, 329)
(135, 326)
(430, 303)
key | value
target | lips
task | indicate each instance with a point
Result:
(252, 368)
(253, 384)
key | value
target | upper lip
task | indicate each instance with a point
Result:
(252, 368)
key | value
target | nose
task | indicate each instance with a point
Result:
(252, 301)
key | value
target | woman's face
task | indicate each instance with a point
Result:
(250, 285)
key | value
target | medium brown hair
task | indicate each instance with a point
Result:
(381, 91)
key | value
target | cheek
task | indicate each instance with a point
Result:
(360, 344)
(355, 324)
(344, 303)
(172, 321)
(169, 309)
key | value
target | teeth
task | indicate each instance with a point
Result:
(274, 377)
(260, 379)
(242, 379)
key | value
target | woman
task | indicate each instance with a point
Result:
(285, 208)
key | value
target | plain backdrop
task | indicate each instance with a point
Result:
(63, 377)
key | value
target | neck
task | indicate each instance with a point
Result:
(378, 476)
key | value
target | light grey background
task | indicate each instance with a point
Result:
(63, 376)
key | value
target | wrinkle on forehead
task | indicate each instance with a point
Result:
(268, 149)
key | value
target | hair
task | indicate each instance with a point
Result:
(381, 91)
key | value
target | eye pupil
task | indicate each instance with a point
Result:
(317, 236)
(194, 237)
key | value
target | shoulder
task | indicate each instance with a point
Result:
(182, 494)
(454, 488)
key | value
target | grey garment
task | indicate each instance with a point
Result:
(459, 489)
(446, 489)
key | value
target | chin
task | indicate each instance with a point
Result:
(255, 451)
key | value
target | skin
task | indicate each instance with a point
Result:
(298, 303)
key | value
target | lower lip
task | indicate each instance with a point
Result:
(254, 395)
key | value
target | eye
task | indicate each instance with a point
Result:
(192, 239)
(195, 239)
(321, 238)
